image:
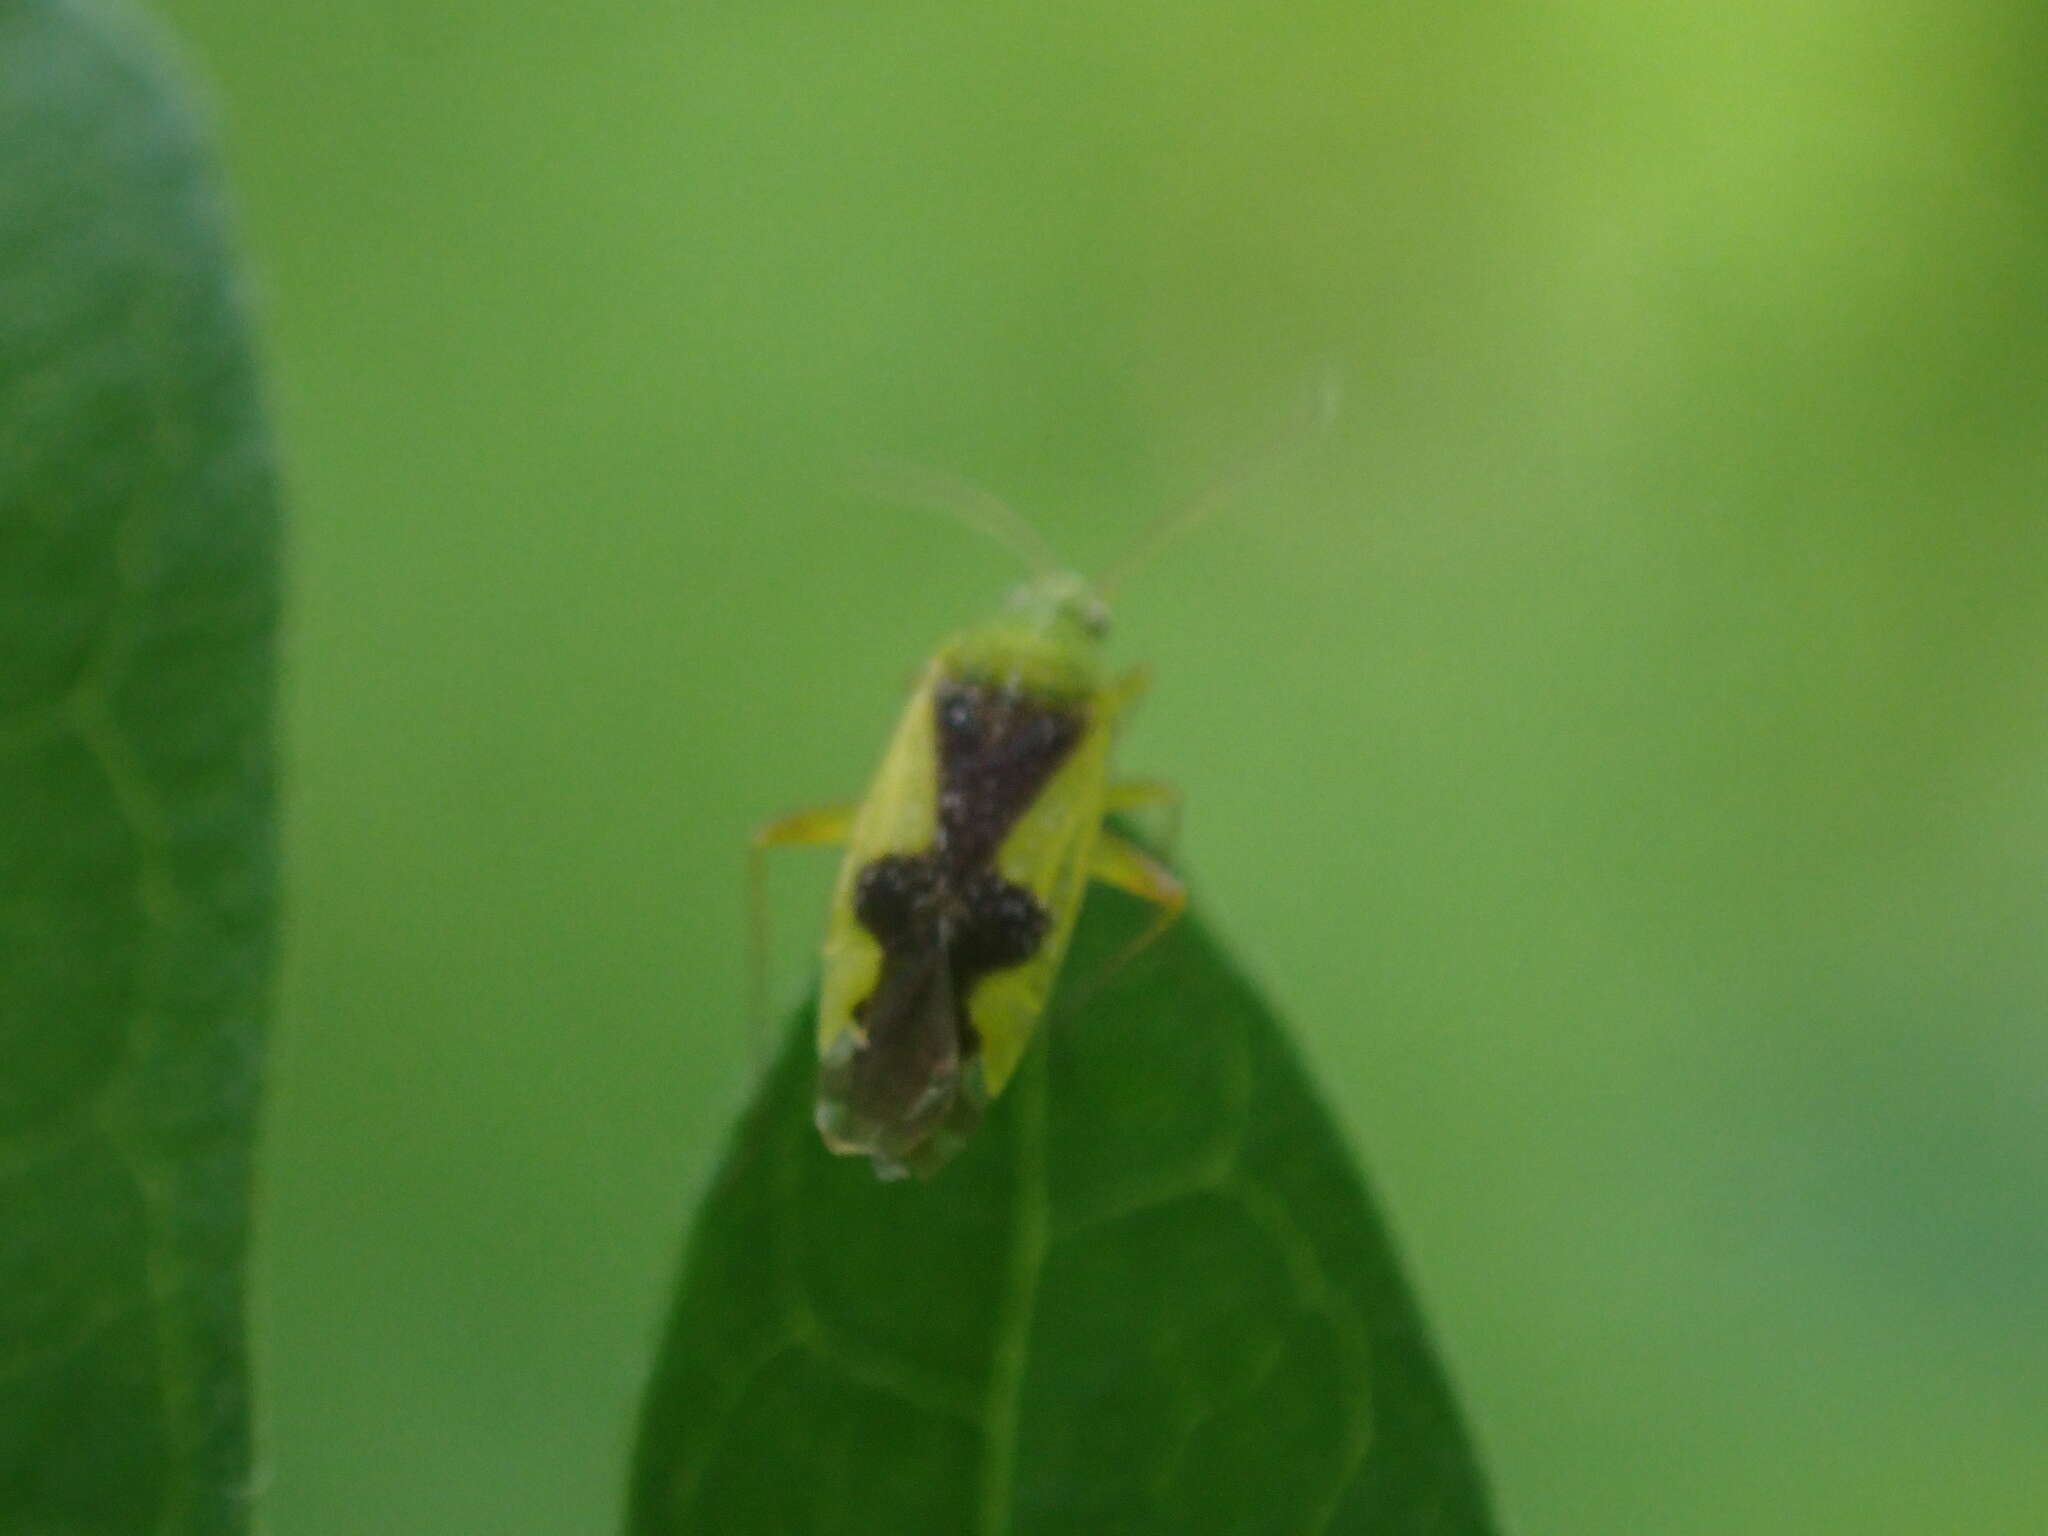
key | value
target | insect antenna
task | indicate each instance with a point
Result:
(966, 503)
(1307, 428)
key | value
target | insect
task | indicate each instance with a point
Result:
(967, 862)
(964, 874)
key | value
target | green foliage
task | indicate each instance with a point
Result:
(138, 597)
(1151, 1296)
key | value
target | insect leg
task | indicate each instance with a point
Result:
(1121, 863)
(1150, 794)
(1125, 692)
(821, 827)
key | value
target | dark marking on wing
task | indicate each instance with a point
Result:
(945, 917)
(997, 748)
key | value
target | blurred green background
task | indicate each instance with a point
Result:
(1623, 752)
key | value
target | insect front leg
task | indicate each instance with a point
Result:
(824, 826)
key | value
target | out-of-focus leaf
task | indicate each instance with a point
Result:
(1152, 1296)
(138, 596)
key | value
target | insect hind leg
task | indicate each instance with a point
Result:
(1122, 864)
(1150, 795)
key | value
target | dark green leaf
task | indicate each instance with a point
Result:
(1151, 1296)
(138, 596)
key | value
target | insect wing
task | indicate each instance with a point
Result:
(1047, 853)
(898, 816)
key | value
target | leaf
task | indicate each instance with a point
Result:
(138, 601)
(1151, 1296)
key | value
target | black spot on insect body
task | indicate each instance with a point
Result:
(896, 899)
(1002, 925)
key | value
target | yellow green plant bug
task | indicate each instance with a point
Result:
(965, 868)
(967, 861)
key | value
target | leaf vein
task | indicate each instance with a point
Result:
(923, 1390)
(1030, 1238)
(1313, 1286)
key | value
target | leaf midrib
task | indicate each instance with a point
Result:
(1030, 1237)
